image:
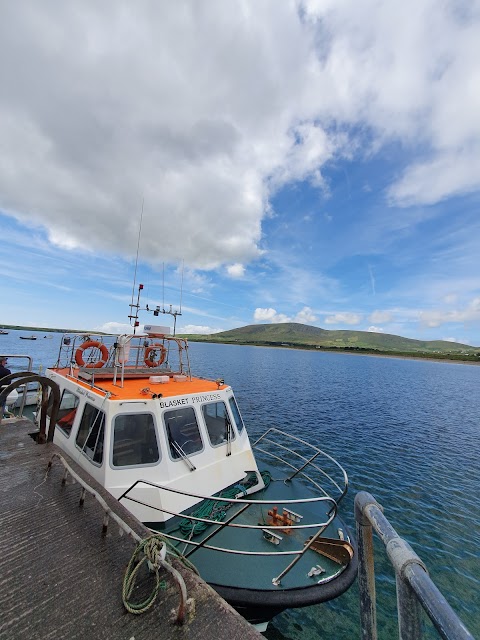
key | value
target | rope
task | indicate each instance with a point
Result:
(212, 509)
(152, 549)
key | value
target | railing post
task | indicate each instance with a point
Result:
(415, 589)
(366, 568)
(409, 611)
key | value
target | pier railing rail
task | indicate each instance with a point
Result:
(415, 589)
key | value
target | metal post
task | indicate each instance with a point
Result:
(415, 589)
(366, 568)
(443, 617)
(409, 611)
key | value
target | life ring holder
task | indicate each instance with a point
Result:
(155, 347)
(90, 344)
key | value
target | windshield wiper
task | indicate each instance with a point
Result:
(181, 453)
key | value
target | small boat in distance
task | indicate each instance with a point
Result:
(259, 521)
(3, 333)
(28, 337)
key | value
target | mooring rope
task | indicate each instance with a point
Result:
(212, 509)
(153, 550)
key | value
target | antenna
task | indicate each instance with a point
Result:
(181, 288)
(132, 305)
(135, 306)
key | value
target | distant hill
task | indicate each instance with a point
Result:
(298, 335)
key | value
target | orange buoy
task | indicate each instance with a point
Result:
(90, 344)
(150, 361)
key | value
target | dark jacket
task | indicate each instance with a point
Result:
(4, 372)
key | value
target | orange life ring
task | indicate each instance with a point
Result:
(89, 344)
(155, 363)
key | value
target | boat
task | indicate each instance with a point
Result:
(260, 521)
(28, 337)
(27, 397)
(3, 333)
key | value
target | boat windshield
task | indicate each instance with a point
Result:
(219, 426)
(183, 433)
(134, 440)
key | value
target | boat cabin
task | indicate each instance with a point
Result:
(131, 409)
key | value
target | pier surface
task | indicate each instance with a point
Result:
(61, 578)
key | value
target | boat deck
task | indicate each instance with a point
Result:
(137, 383)
(60, 578)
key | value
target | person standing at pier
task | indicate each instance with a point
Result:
(3, 372)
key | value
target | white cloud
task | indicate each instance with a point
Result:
(381, 316)
(198, 329)
(107, 105)
(442, 176)
(373, 329)
(437, 317)
(236, 270)
(116, 327)
(305, 316)
(269, 315)
(344, 318)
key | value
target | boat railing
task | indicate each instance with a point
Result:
(268, 530)
(124, 354)
(299, 460)
(415, 588)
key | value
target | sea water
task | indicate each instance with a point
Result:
(407, 431)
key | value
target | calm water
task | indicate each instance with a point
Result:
(405, 430)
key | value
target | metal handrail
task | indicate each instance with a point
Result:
(415, 588)
(307, 461)
(70, 342)
(124, 527)
(321, 526)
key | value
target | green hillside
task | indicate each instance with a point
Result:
(299, 335)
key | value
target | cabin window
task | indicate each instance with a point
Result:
(236, 415)
(219, 426)
(183, 434)
(134, 440)
(91, 433)
(67, 411)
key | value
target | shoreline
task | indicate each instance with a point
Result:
(443, 359)
(348, 352)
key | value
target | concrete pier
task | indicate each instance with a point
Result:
(60, 577)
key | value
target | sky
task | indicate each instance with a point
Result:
(249, 161)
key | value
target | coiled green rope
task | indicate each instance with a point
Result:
(152, 549)
(212, 509)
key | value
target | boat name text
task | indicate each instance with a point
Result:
(177, 402)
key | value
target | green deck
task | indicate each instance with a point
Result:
(257, 572)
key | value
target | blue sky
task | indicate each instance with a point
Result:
(306, 161)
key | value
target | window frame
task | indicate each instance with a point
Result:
(227, 416)
(157, 439)
(166, 432)
(233, 400)
(60, 427)
(101, 428)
